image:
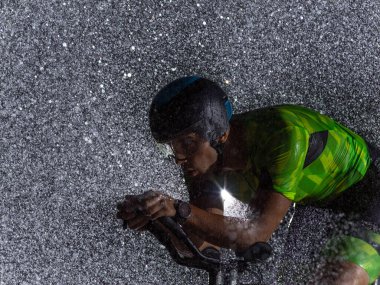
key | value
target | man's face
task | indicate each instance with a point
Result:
(194, 154)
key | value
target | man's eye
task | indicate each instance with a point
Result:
(188, 142)
(190, 145)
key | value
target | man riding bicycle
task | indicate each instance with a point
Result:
(267, 158)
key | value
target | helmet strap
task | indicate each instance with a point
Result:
(219, 150)
(218, 147)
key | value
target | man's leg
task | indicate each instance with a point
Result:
(359, 254)
(352, 274)
(342, 273)
(351, 260)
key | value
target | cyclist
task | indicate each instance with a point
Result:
(267, 158)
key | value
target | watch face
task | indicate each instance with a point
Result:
(184, 210)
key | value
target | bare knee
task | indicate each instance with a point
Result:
(353, 274)
(343, 273)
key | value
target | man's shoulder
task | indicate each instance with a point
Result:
(272, 119)
(277, 111)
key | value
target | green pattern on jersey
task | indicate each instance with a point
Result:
(279, 137)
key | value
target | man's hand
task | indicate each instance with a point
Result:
(138, 210)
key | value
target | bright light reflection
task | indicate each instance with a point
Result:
(226, 195)
(232, 207)
(227, 198)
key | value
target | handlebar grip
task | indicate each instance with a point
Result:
(257, 251)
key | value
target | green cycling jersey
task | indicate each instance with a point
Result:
(307, 157)
(278, 138)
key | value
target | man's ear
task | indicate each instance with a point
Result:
(224, 137)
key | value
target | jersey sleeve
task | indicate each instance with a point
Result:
(282, 155)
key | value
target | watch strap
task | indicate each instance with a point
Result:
(183, 211)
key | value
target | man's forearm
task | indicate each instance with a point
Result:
(238, 233)
(220, 230)
(197, 240)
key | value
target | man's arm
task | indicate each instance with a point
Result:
(236, 233)
(229, 232)
(204, 195)
(269, 209)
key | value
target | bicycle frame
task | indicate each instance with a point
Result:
(220, 273)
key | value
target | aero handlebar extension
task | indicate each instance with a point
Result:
(215, 267)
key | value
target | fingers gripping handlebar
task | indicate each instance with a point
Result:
(185, 252)
(170, 233)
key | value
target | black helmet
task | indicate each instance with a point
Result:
(190, 104)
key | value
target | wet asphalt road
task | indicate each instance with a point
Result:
(76, 80)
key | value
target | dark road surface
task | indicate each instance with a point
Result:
(76, 81)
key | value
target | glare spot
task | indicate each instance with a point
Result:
(227, 197)
(232, 206)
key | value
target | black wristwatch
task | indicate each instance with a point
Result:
(183, 211)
